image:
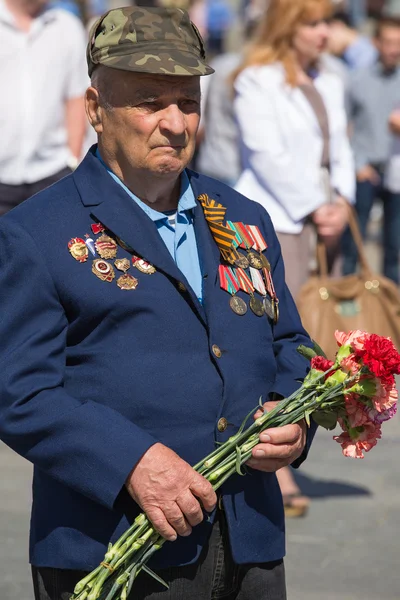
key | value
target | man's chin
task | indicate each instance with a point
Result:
(170, 166)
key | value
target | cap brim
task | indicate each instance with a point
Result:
(181, 63)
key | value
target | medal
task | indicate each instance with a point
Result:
(90, 244)
(122, 264)
(127, 282)
(238, 305)
(78, 249)
(106, 246)
(258, 281)
(103, 270)
(143, 266)
(97, 228)
(256, 306)
(276, 310)
(230, 284)
(242, 262)
(254, 260)
(269, 308)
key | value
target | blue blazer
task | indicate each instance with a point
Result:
(92, 375)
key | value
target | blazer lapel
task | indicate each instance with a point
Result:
(110, 205)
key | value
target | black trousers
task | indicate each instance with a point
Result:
(213, 577)
(12, 195)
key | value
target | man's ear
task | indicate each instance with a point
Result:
(93, 109)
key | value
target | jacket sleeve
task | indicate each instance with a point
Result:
(288, 333)
(83, 444)
(268, 154)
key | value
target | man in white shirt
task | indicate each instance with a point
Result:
(42, 118)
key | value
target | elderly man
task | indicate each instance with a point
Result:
(129, 349)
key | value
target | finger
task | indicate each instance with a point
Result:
(161, 524)
(287, 434)
(191, 508)
(267, 406)
(202, 488)
(271, 451)
(267, 465)
(177, 520)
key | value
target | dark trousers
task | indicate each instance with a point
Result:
(365, 197)
(213, 577)
(12, 195)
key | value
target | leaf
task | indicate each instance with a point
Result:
(317, 348)
(326, 419)
(239, 461)
(307, 417)
(147, 570)
(241, 428)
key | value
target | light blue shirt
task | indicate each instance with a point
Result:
(179, 237)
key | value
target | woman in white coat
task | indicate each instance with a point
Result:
(297, 160)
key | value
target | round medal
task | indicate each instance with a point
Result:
(276, 309)
(242, 262)
(265, 262)
(78, 249)
(268, 307)
(254, 260)
(106, 246)
(103, 270)
(256, 306)
(127, 282)
(238, 305)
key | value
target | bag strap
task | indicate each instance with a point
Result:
(356, 234)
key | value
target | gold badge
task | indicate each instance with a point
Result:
(103, 270)
(127, 282)
(122, 264)
(106, 246)
(143, 266)
(78, 249)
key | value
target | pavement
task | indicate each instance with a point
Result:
(346, 548)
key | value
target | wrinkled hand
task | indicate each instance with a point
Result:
(331, 220)
(279, 446)
(170, 491)
(368, 173)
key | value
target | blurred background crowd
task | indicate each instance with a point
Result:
(301, 115)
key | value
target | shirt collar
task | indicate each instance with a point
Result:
(186, 200)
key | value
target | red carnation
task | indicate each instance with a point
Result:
(381, 357)
(321, 364)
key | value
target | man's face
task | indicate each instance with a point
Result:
(151, 123)
(388, 45)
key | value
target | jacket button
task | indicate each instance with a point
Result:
(182, 287)
(216, 351)
(222, 424)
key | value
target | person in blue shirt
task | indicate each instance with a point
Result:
(123, 360)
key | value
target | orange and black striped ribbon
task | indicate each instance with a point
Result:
(224, 237)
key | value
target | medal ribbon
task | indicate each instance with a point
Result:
(228, 280)
(97, 228)
(258, 281)
(244, 281)
(259, 243)
(246, 238)
(223, 236)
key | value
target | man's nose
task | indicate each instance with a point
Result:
(173, 120)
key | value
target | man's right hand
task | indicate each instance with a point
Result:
(170, 491)
(368, 173)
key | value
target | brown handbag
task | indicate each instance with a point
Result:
(365, 300)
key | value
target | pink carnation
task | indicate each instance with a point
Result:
(355, 339)
(384, 398)
(356, 412)
(360, 440)
(381, 417)
(350, 365)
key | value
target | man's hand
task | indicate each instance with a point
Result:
(331, 219)
(170, 491)
(394, 122)
(279, 446)
(368, 173)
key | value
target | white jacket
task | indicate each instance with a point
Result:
(282, 145)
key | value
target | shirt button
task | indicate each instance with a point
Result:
(222, 425)
(182, 287)
(217, 351)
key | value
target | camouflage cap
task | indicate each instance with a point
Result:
(162, 41)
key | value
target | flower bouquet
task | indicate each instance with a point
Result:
(356, 391)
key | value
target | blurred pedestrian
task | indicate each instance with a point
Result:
(296, 155)
(374, 94)
(42, 117)
(356, 50)
(219, 19)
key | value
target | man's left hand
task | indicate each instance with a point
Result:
(279, 446)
